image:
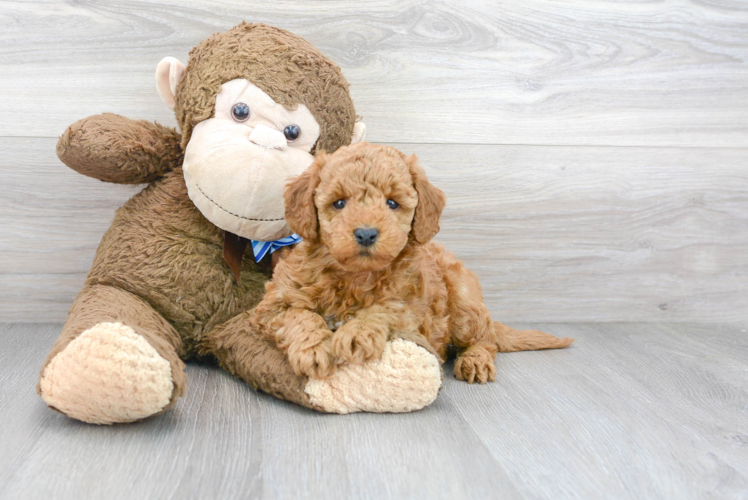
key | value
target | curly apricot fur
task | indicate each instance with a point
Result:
(401, 283)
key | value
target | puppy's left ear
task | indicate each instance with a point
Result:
(298, 195)
(431, 202)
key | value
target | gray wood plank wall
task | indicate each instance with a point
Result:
(595, 154)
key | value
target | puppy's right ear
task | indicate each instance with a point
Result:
(301, 214)
(431, 202)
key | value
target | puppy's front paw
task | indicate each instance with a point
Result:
(357, 343)
(312, 360)
(475, 364)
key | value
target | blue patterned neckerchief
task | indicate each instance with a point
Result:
(262, 248)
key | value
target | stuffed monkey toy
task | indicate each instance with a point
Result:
(174, 276)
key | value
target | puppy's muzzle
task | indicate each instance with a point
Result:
(366, 236)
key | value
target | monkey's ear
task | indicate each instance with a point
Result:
(431, 202)
(359, 133)
(168, 74)
(298, 195)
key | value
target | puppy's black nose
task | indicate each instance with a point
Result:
(366, 236)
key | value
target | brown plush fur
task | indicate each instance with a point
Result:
(145, 151)
(159, 268)
(286, 67)
(99, 304)
(402, 283)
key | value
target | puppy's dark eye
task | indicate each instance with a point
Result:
(292, 132)
(240, 112)
(338, 204)
(393, 204)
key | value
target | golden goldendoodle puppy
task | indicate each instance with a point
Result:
(366, 269)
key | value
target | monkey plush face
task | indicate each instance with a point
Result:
(253, 104)
(236, 163)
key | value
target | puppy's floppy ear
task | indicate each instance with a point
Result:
(431, 202)
(298, 195)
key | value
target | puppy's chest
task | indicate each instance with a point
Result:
(341, 303)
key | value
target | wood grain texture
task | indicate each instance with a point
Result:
(594, 155)
(554, 233)
(483, 72)
(631, 411)
(636, 411)
(60, 458)
(557, 227)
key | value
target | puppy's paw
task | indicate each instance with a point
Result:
(475, 365)
(357, 343)
(312, 360)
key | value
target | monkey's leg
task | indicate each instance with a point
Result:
(407, 377)
(116, 360)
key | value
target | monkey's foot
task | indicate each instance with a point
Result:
(406, 378)
(108, 374)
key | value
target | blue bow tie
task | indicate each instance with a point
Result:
(262, 248)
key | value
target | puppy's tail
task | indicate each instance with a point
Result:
(511, 340)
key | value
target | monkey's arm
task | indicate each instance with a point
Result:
(113, 148)
(407, 378)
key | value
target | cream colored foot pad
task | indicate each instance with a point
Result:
(108, 374)
(406, 378)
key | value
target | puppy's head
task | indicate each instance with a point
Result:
(365, 203)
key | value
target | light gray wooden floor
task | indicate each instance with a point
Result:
(630, 411)
(594, 155)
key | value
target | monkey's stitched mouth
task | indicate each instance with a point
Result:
(232, 213)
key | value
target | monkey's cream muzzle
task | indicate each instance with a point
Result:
(238, 184)
(235, 170)
(268, 138)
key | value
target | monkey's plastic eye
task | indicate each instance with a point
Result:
(240, 112)
(292, 132)
(393, 204)
(338, 204)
